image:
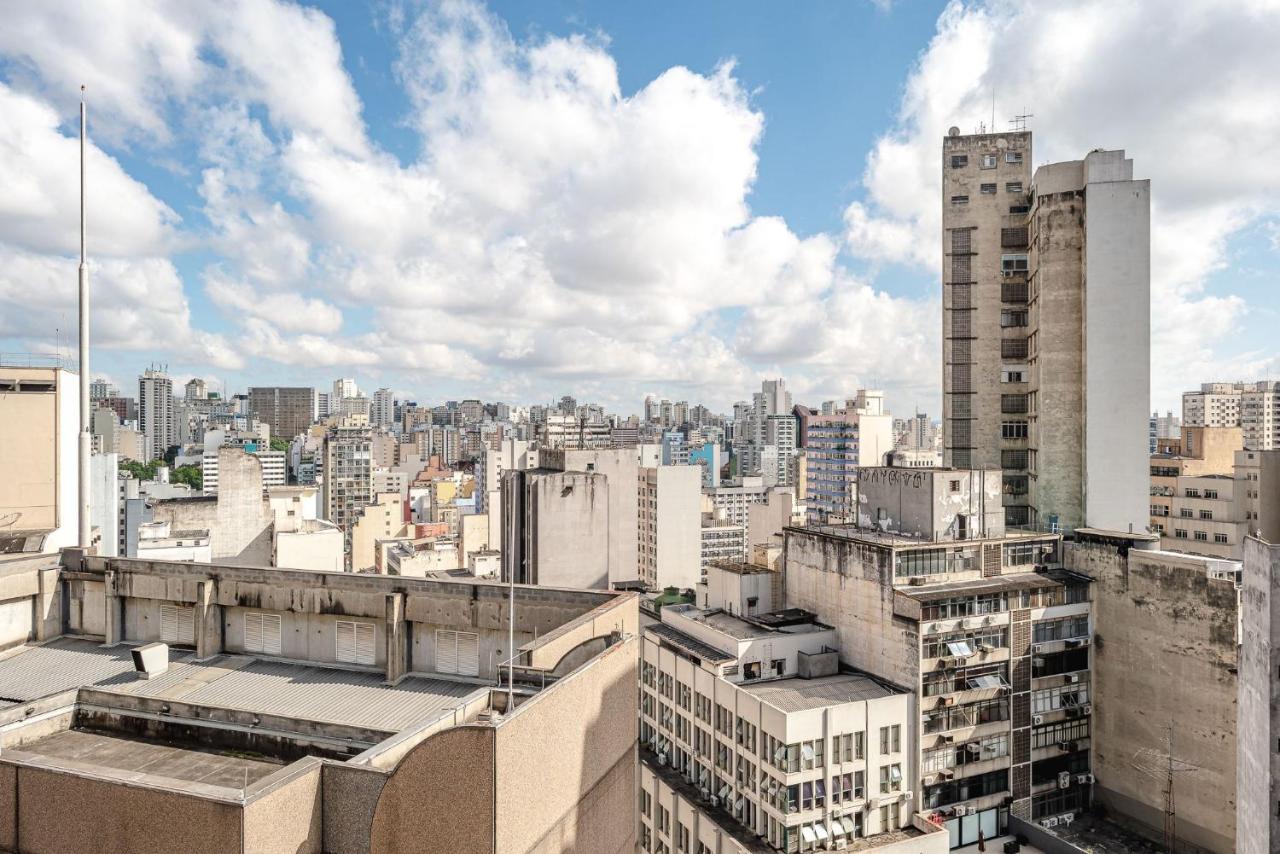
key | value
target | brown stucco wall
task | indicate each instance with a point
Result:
(286, 819)
(440, 797)
(61, 812)
(577, 741)
(350, 798)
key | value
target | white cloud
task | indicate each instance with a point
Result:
(1179, 91)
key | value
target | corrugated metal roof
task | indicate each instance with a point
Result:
(63, 664)
(303, 691)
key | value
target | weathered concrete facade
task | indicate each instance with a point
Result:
(1258, 763)
(1165, 660)
(933, 504)
(555, 528)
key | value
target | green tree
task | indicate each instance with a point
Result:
(140, 470)
(279, 444)
(190, 475)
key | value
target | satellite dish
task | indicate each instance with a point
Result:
(953, 131)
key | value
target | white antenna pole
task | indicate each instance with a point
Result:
(86, 441)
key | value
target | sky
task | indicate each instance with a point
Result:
(520, 200)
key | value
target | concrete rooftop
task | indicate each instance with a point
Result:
(265, 686)
(797, 695)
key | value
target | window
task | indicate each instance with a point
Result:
(1186, 513)
(1012, 375)
(959, 200)
(354, 642)
(955, 486)
(1013, 348)
(1013, 317)
(1207, 515)
(682, 837)
(890, 778)
(1013, 429)
(891, 739)
(1015, 263)
(1191, 492)
(1013, 157)
(1220, 538)
(177, 624)
(959, 161)
(1179, 534)
(1013, 404)
(890, 816)
(1019, 458)
(1202, 536)
(988, 161)
(262, 633)
(1211, 493)
(988, 189)
(1013, 187)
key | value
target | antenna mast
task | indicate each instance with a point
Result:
(86, 440)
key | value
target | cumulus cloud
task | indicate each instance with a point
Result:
(554, 233)
(1180, 92)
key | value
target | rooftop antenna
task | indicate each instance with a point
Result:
(86, 441)
(1019, 122)
(993, 110)
(1162, 766)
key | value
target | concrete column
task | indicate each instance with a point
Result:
(113, 621)
(208, 619)
(48, 616)
(397, 631)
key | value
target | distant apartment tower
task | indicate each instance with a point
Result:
(555, 528)
(1253, 407)
(670, 526)
(1167, 426)
(836, 446)
(348, 474)
(155, 413)
(289, 411)
(344, 387)
(195, 389)
(1030, 387)
(382, 409)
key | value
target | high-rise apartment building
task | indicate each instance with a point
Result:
(155, 413)
(288, 411)
(344, 387)
(195, 389)
(1253, 407)
(1030, 387)
(100, 388)
(382, 409)
(670, 526)
(348, 474)
(836, 446)
(39, 423)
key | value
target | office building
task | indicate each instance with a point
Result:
(722, 541)
(155, 413)
(754, 738)
(309, 711)
(289, 411)
(983, 624)
(1253, 407)
(1060, 405)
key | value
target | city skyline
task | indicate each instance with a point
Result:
(262, 231)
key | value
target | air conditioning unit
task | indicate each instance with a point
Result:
(906, 796)
(1064, 779)
(1083, 778)
(1073, 678)
(983, 647)
(916, 580)
(986, 621)
(961, 811)
(1064, 746)
(974, 748)
(1037, 648)
(1050, 822)
(841, 843)
(1089, 778)
(662, 759)
(873, 803)
(935, 627)
(715, 801)
(706, 793)
(1037, 719)
(1087, 708)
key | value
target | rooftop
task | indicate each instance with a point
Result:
(1014, 581)
(854, 533)
(688, 645)
(299, 691)
(794, 621)
(740, 568)
(797, 695)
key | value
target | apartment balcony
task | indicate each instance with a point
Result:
(1061, 748)
(962, 734)
(966, 769)
(1051, 646)
(933, 627)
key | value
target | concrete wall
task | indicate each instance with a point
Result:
(849, 586)
(1258, 761)
(621, 467)
(555, 528)
(284, 815)
(1117, 339)
(1164, 655)
(581, 737)
(923, 502)
(320, 549)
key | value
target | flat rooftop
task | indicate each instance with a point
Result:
(688, 645)
(740, 568)
(130, 759)
(856, 533)
(798, 695)
(996, 583)
(266, 686)
(795, 622)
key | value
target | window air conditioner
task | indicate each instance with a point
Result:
(906, 796)
(1089, 778)
(961, 811)
(1050, 822)
(1083, 778)
(1037, 719)
(1087, 708)
(1064, 779)
(1037, 648)
(1074, 678)
(715, 801)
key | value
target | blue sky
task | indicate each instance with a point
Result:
(522, 200)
